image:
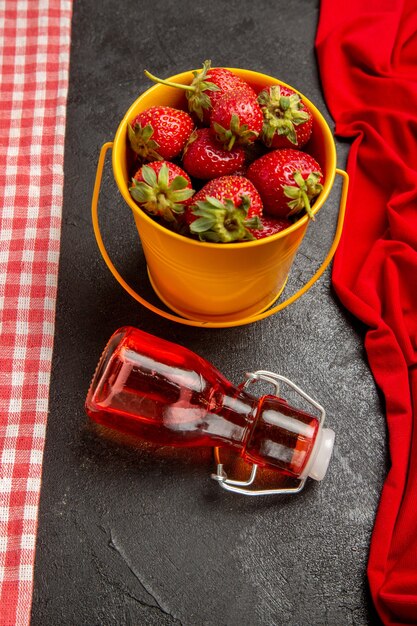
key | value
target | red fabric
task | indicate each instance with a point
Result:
(367, 56)
(34, 64)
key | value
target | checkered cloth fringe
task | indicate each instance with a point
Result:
(34, 51)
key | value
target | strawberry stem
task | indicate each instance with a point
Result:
(155, 79)
(231, 142)
(307, 204)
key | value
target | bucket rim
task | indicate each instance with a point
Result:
(120, 137)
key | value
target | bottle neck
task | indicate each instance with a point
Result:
(230, 417)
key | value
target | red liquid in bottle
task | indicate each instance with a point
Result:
(166, 394)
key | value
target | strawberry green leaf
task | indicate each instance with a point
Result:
(207, 86)
(284, 103)
(149, 176)
(140, 191)
(163, 177)
(147, 131)
(253, 222)
(202, 224)
(210, 203)
(181, 195)
(179, 182)
(211, 237)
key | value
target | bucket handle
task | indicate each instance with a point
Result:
(182, 320)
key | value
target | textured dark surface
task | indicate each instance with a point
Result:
(141, 536)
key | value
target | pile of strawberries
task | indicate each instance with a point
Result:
(232, 168)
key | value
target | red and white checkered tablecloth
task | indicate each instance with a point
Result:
(34, 52)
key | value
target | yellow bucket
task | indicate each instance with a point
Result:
(209, 284)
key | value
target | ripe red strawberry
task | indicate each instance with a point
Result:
(162, 189)
(287, 180)
(160, 132)
(288, 122)
(225, 210)
(207, 86)
(205, 158)
(236, 117)
(270, 226)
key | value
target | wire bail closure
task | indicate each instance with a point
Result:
(243, 486)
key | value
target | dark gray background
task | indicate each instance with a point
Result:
(132, 536)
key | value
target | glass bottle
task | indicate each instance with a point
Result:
(166, 394)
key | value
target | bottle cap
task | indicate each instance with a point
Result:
(317, 466)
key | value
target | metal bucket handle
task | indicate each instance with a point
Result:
(182, 320)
